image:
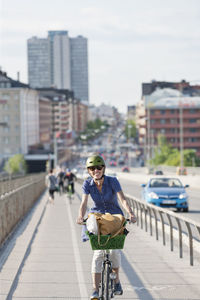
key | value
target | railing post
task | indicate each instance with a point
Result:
(163, 227)
(137, 214)
(145, 216)
(190, 242)
(156, 223)
(180, 238)
(141, 220)
(171, 232)
(150, 220)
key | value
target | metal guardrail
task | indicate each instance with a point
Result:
(15, 204)
(7, 186)
(185, 229)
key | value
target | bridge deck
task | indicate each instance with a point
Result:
(46, 259)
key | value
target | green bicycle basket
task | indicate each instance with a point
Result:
(116, 242)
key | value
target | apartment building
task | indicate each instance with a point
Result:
(45, 122)
(173, 114)
(104, 112)
(19, 117)
(68, 113)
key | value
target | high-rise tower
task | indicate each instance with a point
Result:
(79, 67)
(59, 61)
(39, 62)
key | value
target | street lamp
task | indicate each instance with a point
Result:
(181, 136)
(55, 151)
(129, 137)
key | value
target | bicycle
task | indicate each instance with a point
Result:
(105, 243)
(70, 192)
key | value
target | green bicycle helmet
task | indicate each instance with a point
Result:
(95, 160)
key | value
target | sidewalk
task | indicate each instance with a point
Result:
(47, 260)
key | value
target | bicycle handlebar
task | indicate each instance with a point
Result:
(84, 221)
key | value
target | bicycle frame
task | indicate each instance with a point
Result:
(107, 278)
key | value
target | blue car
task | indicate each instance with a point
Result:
(166, 192)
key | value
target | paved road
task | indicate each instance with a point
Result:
(46, 259)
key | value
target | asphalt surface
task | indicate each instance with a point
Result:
(46, 259)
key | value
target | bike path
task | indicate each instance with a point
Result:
(48, 260)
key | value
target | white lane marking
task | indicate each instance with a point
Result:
(79, 269)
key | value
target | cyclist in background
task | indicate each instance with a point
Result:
(69, 179)
(104, 191)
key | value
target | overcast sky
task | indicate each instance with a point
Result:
(129, 41)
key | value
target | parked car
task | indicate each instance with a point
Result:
(125, 169)
(113, 163)
(166, 192)
(158, 172)
(121, 161)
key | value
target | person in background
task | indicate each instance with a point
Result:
(60, 178)
(69, 179)
(51, 183)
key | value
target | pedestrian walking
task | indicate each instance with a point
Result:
(51, 183)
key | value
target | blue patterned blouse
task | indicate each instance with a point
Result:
(106, 200)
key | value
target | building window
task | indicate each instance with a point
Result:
(192, 121)
(6, 140)
(6, 118)
(162, 121)
(192, 140)
(173, 121)
(6, 129)
(162, 112)
(5, 106)
(192, 130)
(5, 96)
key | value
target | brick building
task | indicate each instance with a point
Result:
(171, 113)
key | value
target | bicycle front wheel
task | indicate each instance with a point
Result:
(108, 285)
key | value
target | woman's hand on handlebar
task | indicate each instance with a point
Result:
(80, 220)
(132, 218)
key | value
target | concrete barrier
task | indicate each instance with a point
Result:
(15, 205)
(192, 180)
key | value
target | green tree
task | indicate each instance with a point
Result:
(190, 158)
(96, 124)
(16, 164)
(165, 154)
(93, 129)
(162, 151)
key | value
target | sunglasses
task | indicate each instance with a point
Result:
(95, 168)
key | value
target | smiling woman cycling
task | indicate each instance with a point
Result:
(104, 191)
